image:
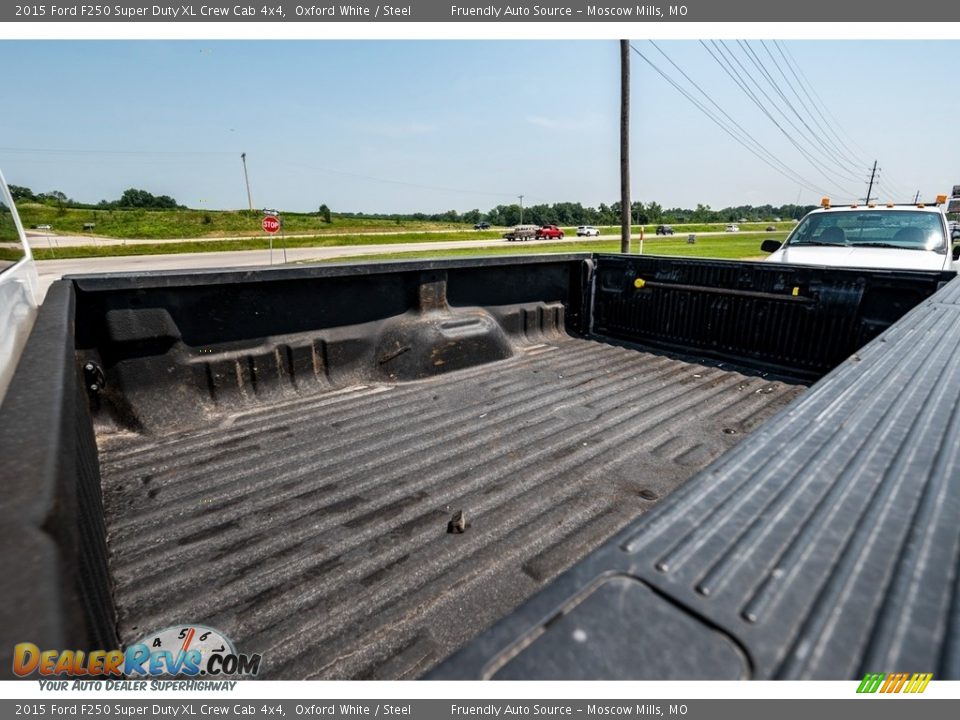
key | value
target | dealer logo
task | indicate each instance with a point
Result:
(177, 651)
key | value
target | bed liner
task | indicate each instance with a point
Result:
(314, 530)
(824, 546)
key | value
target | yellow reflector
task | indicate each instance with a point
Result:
(920, 205)
(639, 283)
(796, 291)
(872, 205)
(889, 204)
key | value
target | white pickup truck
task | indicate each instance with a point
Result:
(905, 237)
(18, 287)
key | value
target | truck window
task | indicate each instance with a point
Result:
(903, 229)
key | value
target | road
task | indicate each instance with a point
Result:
(44, 240)
(50, 270)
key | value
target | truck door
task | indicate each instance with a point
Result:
(18, 287)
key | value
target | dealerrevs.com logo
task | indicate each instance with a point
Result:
(177, 651)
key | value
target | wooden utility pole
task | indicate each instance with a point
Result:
(625, 146)
(246, 178)
(870, 186)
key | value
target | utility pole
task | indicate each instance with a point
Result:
(625, 146)
(873, 174)
(916, 198)
(243, 159)
(521, 208)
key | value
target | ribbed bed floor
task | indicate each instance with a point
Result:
(314, 530)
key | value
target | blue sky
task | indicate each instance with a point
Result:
(404, 126)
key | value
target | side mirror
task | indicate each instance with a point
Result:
(956, 253)
(955, 235)
(770, 246)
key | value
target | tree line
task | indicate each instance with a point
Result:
(567, 213)
(131, 198)
(562, 213)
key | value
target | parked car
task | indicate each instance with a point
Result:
(588, 231)
(482, 225)
(664, 230)
(732, 228)
(549, 231)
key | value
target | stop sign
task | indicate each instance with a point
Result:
(271, 224)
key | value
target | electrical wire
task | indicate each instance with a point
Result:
(728, 66)
(746, 136)
(839, 147)
(793, 177)
(817, 142)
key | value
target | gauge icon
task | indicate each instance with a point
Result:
(178, 639)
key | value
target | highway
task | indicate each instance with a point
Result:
(50, 270)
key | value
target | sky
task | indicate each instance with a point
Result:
(429, 126)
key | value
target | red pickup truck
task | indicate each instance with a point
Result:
(549, 231)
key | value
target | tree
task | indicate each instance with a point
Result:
(59, 198)
(135, 198)
(21, 194)
(324, 213)
(655, 212)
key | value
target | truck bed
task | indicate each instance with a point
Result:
(278, 454)
(315, 530)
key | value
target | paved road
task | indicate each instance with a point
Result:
(44, 240)
(50, 270)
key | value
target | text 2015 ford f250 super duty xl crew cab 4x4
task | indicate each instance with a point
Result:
(565, 466)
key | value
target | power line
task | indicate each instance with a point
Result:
(727, 65)
(828, 152)
(696, 103)
(832, 124)
(824, 134)
(783, 168)
(805, 84)
(53, 151)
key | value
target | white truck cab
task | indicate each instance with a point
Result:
(894, 236)
(18, 288)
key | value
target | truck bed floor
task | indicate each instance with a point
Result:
(315, 530)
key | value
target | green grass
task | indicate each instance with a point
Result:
(186, 224)
(88, 251)
(732, 247)
(719, 246)
(157, 224)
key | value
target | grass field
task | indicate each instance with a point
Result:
(40, 252)
(717, 246)
(729, 247)
(189, 224)
(161, 224)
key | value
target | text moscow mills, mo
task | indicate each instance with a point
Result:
(544, 11)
